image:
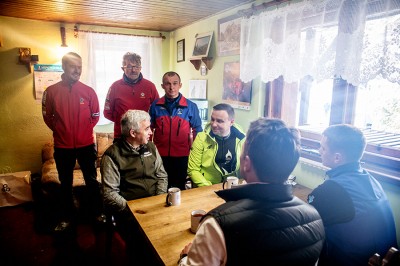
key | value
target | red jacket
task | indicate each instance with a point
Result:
(71, 111)
(122, 97)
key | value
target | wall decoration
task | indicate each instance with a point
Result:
(235, 91)
(229, 35)
(202, 44)
(45, 75)
(198, 89)
(180, 50)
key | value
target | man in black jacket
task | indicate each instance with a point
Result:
(261, 222)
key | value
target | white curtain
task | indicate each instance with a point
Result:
(352, 39)
(102, 60)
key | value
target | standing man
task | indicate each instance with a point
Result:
(176, 122)
(215, 152)
(261, 223)
(71, 110)
(131, 169)
(356, 213)
(131, 92)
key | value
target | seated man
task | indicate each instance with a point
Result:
(357, 216)
(261, 223)
(215, 151)
(131, 169)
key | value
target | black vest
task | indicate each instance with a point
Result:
(264, 224)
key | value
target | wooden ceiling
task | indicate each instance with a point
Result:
(157, 15)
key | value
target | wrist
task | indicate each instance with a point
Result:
(181, 257)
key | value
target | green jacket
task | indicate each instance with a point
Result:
(202, 168)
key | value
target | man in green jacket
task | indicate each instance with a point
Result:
(132, 168)
(216, 151)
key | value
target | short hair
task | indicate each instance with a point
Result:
(346, 139)
(68, 56)
(171, 74)
(273, 148)
(132, 57)
(131, 120)
(225, 107)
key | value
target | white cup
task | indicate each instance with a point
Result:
(195, 217)
(230, 182)
(173, 196)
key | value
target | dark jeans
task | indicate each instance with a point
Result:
(65, 162)
(176, 168)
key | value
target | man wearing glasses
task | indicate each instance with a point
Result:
(131, 92)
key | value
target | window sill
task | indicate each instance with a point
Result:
(382, 162)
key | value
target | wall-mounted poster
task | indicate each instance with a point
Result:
(45, 75)
(198, 89)
(235, 92)
(229, 35)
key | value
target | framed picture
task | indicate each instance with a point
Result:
(235, 91)
(180, 50)
(202, 44)
(229, 35)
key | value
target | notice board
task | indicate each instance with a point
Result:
(45, 75)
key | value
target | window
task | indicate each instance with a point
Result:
(102, 58)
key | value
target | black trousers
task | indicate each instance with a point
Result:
(176, 168)
(65, 162)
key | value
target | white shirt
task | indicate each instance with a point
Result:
(208, 246)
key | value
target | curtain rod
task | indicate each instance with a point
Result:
(76, 31)
(254, 9)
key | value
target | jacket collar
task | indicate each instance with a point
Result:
(258, 191)
(182, 102)
(345, 168)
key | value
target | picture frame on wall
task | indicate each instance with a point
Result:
(180, 50)
(235, 92)
(202, 44)
(229, 35)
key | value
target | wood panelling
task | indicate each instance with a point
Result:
(157, 15)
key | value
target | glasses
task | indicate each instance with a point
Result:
(131, 67)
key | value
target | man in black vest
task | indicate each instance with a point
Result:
(261, 222)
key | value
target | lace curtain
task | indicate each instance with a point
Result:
(102, 60)
(354, 40)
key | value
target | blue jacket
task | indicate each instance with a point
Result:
(175, 131)
(357, 216)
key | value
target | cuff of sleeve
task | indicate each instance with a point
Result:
(182, 259)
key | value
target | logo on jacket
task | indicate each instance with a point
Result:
(142, 95)
(81, 101)
(180, 111)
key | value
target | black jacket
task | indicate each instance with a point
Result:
(264, 224)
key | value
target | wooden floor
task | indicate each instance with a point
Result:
(25, 240)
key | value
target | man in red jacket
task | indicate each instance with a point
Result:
(71, 110)
(131, 92)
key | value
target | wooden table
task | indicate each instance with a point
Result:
(168, 228)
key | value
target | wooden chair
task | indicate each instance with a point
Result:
(392, 258)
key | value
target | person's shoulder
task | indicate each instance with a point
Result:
(148, 82)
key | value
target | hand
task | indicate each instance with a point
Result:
(186, 249)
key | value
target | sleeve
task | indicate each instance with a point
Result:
(152, 113)
(111, 181)
(194, 164)
(154, 93)
(108, 111)
(195, 121)
(94, 108)
(332, 202)
(47, 110)
(161, 174)
(208, 246)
